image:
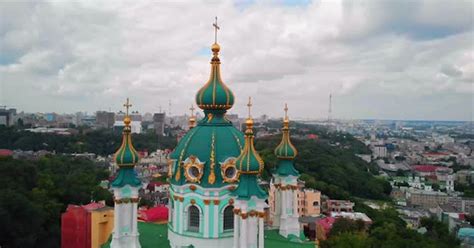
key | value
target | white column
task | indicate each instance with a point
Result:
(206, 220)
(283, 203)
(277, 201)
(295, 202)
(260, 232)
(175, 214)
(181, 216)
(216, 220)
(116, 219)
(236, 231)
(170, 211)
(243, 233)
(252, 231)
(134, 218)
(289, 203)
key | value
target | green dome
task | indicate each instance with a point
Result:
(126, 158)
(250, 166)
(126, 154)
(285, 150)
(249, 161)
(211, 143)
(215, 94)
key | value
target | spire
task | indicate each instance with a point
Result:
(192, 119)
(286, 150)
(250, 164)
(126, 156)
(215, 95)
(249, 161)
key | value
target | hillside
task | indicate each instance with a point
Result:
(329, 164)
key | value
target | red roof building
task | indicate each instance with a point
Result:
(323, 227)
(155, 214)
(6, 153)
(78, 225)
(425, 168)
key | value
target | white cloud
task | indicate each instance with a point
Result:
(380, 59)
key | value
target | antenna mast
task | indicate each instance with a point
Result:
(330, 107)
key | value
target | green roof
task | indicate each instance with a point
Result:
(156, 235)
(285, 167)
(151, 235)
(126, 176)
(248, 187)
(212, 141)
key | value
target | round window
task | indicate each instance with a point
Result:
(230, 172)
(193, 171)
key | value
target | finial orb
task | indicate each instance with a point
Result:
(215, 48)
(249, 122)
(127, 120)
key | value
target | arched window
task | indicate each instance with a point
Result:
(193, 222)
(229, 218)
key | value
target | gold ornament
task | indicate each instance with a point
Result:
(212, 176)
(229, 164)
(190, 163)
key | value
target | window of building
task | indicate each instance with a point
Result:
(193, 219)
(315, 204)
(229, 218)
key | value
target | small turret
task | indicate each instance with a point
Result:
(285, 151)
(250, 165)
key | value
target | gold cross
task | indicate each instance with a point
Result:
(192, 110)
(249, 105)
(286, 111)
(215, 30)
(127, 105)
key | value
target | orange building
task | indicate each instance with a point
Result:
(87, 226)
(308, 201)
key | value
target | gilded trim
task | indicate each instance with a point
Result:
(229, 163)
(190, 162)
(212, 176)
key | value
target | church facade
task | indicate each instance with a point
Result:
(215, 196)
(203, 172)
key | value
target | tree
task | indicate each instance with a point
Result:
(35, 193)
(346, 225)
(347, 240)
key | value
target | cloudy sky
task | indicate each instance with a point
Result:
(386, 59)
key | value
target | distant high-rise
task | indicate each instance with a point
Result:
(105, 119)
(159, 123)
(234, 118)
(136, 116)
(6, 116)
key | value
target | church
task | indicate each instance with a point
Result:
(214, 172)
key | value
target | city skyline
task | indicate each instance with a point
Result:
(402, 65)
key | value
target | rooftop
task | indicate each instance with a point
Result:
(156, 235)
